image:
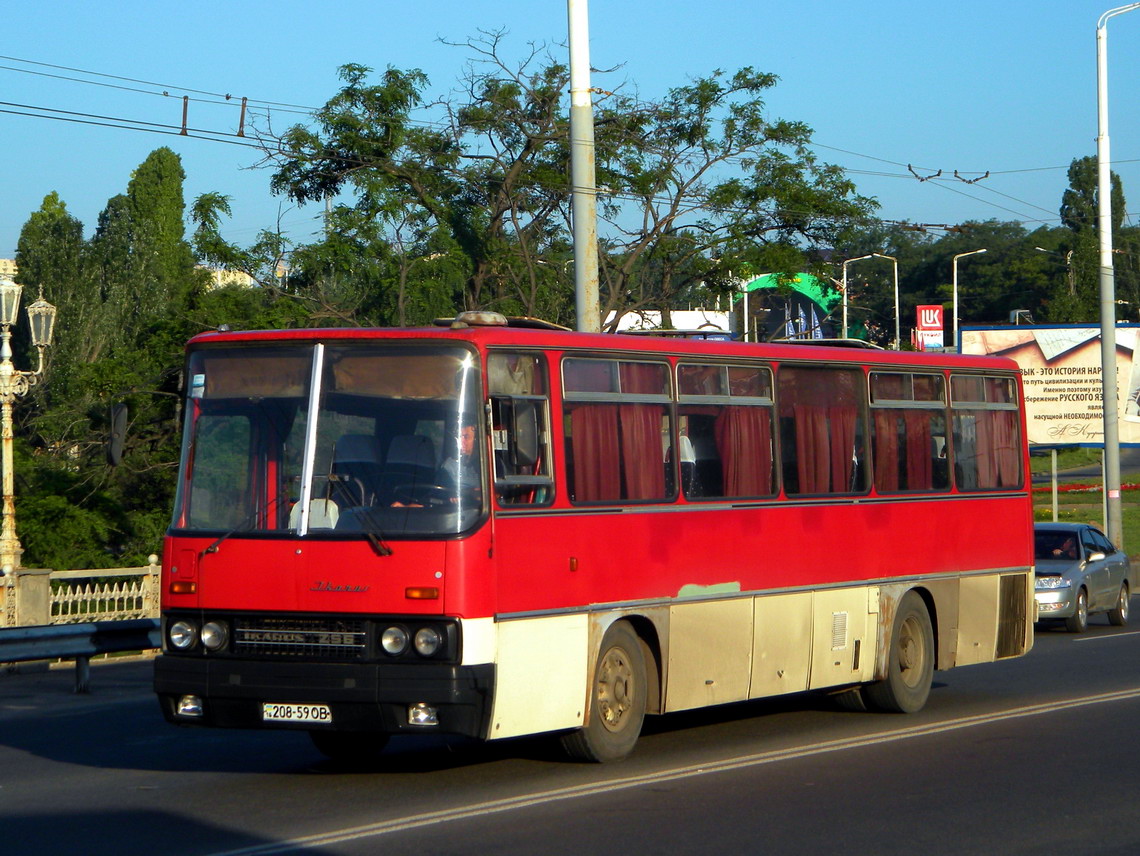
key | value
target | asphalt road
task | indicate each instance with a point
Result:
(1025, 756)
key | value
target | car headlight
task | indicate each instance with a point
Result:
(1052, 583)
(182, 635)
(394, 640)
(215, 635)
(427, 641)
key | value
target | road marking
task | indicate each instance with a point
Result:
(374, 830)
(1109, 636)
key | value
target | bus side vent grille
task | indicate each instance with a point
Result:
(838, 631)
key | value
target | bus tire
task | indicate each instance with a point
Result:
(910, 666)
(617, 700)
(349, 746)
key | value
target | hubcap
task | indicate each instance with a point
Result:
(912, 652)
(615, 688)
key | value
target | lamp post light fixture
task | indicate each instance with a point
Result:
(954, 277)
(15, 384)
(1068, 266)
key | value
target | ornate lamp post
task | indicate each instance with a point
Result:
(15, 384)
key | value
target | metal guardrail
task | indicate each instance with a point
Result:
(79, 642)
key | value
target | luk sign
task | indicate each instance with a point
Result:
(928, 329)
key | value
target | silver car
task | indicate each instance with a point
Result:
(1079, 572)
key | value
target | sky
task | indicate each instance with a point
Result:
(894, 90)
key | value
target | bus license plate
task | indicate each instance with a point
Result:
(276, 712)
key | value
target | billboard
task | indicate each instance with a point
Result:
(1061, 374)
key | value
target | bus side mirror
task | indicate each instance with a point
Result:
(524, 429)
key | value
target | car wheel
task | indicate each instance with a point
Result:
(1119, 615)
(1079, 621)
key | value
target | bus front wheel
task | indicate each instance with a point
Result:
(910, 670)
(617, 700)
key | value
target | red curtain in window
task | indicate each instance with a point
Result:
(1006, 464)
(986, 451)
(643, 459)
(842, 425)
(642, 378)
(597, 457)
(919, 453)
(813, 449)
(744, 443)
(886, 451)
(643, 463)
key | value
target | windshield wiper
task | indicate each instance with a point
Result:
(245, 524)
(371, 531)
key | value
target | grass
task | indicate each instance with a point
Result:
(1067, 459)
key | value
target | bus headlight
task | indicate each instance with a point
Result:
(182, 635)
(427, 641)
(394, 640)
(215, 635)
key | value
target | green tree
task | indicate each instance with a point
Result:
(715, 187)
(695, 186)
(125, 310)
(1079, 214)
(50, 257)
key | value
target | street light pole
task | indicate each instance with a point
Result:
(15, 384)
(895, 263)
(954, 270)
(845, 263)
(1113, 520)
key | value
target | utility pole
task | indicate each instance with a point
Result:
(584, 204)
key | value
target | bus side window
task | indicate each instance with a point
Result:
(986, 438)
(726, 430)
(519, 430)
(823, 430)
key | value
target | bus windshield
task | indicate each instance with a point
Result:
(332, 440)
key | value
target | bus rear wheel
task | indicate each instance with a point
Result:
(617, 700)
(910, 669)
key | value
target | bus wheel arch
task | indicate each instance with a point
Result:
(617, 699)
(910, 661)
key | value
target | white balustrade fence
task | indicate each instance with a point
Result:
(109, 594)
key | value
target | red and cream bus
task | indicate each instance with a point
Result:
(493, 530)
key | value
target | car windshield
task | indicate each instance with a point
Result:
(1056, 544)
(388, 450)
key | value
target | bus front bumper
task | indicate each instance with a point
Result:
(359, 697)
